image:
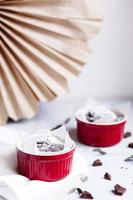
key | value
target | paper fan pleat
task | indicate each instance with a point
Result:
(42, 75)
(43, 45)
(39, 89)
(60, 26)
(61, 9)
(44, 54)
(59, 43)
(3, 112)
(17, 88)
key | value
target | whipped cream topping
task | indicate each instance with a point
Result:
(94, 112)
(101, 114)
(46, 142)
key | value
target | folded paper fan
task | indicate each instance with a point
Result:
(44, 43)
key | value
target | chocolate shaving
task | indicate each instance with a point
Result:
(100, 151)
(84, 178)
(130, 145)
(2, 198)
(90, 114)
(119, 190)
(127, 134)
(72, 190)
(40, 142)
(90, 117)
(86, 195)
(59, 125)
(107, 176)
(124, 167)
(97, 163)
(130, 158)
(79, 191)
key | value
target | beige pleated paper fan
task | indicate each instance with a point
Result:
(44, 43)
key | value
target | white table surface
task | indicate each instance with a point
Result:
(56, 112)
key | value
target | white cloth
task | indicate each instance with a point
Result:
(17, 187)
(21, 188)
(6, 192)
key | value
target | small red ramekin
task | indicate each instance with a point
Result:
(100, 135)
(45, 167)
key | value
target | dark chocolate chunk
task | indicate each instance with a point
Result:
(86, 195)
(79, 190)
(90, 117)
(100, 151)
(130, 145)
(59, 125)
(90, 114)
(127, 134)
(107, 176)
(130, 158)
(119, 190)
(40, 142)
(97, 163)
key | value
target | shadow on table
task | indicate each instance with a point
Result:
(73, 133)
(8, 163)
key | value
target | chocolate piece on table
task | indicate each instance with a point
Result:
(127, 134)
(130, 145)
(130, 158)
(86, 195)
(119, 190)
(107, 176)
(79, 190)
(100, 151)
(97, 163)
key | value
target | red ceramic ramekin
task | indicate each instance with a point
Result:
(100, 135)
(45, 167)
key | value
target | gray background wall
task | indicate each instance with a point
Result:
(109, 72)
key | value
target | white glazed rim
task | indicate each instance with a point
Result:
(102, 124)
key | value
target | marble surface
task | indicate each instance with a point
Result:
(54, 113)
